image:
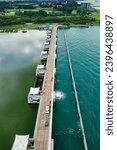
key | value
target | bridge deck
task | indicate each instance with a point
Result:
(42, 137)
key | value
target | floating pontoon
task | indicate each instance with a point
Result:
(40, 71)
(34, 95)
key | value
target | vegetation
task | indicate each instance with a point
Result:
(95, 15)
(14, 28)
(14, 15)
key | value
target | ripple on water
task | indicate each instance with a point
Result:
(83, 45)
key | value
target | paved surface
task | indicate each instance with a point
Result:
(42, 133)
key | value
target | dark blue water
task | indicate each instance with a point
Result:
(84, 50)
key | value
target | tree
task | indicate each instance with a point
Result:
(42, 13)
(82, 12)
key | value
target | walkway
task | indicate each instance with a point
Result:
(43, 134)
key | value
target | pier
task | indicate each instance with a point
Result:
(43, 128)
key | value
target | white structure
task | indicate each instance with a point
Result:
(49, 34)
(48, 37)
(49, 31)
(40, 71)
(21, 142)
(46, 47)
(48, 40)
(44, 55)
(34, 95)
(50, 28)
(46, 44)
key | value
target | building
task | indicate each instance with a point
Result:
(44, 54)
(40, 71)
(34, 95)
(85, 5)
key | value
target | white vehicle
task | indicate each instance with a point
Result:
(47, 110)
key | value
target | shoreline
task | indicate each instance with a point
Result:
(41, 27)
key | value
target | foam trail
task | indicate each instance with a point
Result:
(59, 95)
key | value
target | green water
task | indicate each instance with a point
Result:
(83, 45)
(16, 116)
(18, 60)
(19, 55)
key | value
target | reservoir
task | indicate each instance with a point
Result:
(83, 44)
(19, 56)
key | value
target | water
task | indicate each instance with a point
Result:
(59, 95)
(19, 55)
(20, 48)
(83, 45)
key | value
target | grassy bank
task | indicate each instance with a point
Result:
(14, 28)
(95, 15)
(32, 19)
